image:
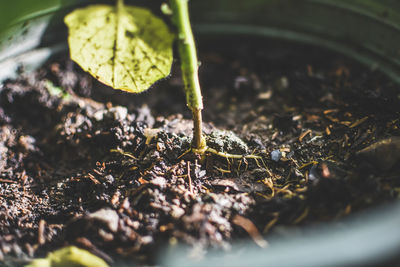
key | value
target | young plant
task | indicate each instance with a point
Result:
(128, 48)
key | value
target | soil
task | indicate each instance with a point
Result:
(82, 164)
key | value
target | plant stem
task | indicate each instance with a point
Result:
(120, 4)
(198, 139)
(189, 67)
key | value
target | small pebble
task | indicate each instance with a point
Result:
(118, 112)
(109, 179)
(314, 176)
(108, 216)
(276, 155)
(177, 212)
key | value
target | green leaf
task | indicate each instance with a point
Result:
(125, 47)
(69, 257)
(56, 90)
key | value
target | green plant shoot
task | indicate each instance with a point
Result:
(128, 48)
(189, 67)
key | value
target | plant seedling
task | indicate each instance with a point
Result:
(128, 48)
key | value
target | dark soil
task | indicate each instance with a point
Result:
(86, 165)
